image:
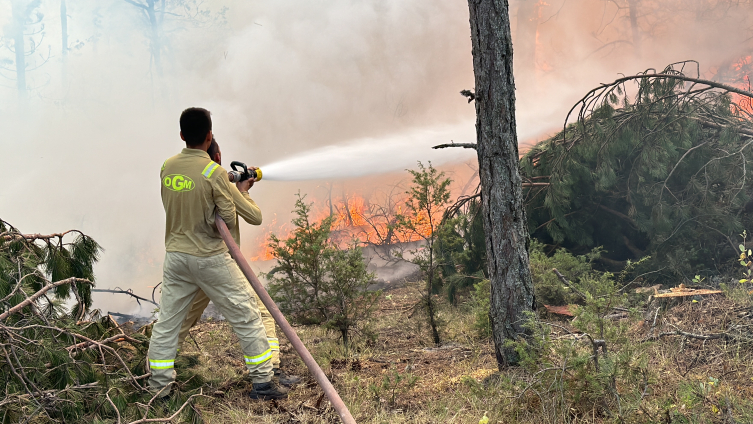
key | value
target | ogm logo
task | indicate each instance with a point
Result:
(178, 182)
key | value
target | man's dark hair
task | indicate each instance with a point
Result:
(195, 124)
(213, 148)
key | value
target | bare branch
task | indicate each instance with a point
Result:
(567, 283)
(463, 145)
(135, 4)
(113, 405)
(128, 292)
(171, 417)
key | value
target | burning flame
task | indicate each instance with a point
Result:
(739, 76)
(355, 219)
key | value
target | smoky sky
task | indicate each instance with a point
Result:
(282, 77)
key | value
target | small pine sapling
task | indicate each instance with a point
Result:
(429, 195)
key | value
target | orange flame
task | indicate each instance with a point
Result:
(354, 219)
(740, 77)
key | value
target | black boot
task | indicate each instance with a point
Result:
(285, 379)
(269, 390)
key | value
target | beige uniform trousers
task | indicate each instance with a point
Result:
(220, 278)
(200, 303)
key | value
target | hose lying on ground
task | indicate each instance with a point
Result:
(289, 332)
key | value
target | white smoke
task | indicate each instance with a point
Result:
(283, 77)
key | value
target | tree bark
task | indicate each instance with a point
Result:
(497, 148)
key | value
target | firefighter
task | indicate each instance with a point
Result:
(247, 209)
(194, 188)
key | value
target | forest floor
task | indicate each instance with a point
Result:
(401, 377)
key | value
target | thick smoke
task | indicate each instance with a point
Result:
(284, 77)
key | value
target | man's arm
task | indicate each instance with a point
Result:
(246, 207)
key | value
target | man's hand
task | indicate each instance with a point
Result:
(243, 186)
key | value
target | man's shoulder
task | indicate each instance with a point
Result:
(213, 171)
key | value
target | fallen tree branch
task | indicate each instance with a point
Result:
(129, 292)
(113, 405)
(171, 417)
(40, 293)
(692, 336)
(33, 237)
(113, 339)
(567, 283)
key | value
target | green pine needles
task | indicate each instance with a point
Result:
(316, 282)
(58, 358)
(663, 171)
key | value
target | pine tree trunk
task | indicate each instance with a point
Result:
(64, 40)
(154, 42)
(636, 32)
(19, 22)
(497, 147)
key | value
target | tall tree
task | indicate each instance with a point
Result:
(64, 39)
(497, 148)
(155, 17)
(20, 13)
(26, 33)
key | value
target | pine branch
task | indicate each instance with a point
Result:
(34, 237)
(114, 339)
(40, 293)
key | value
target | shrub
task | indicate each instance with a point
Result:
(461, 248)
(548, 288)
(480, 300)
(317, 283)
(596, 368)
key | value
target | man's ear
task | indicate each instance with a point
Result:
(208, 139)
(181, 136)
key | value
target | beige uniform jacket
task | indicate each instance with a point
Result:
(193, 188)
(246, 209)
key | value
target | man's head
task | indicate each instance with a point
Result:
(214, 152)
(195, 127)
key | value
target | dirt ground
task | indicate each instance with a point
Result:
(400, 377)
(419, 374)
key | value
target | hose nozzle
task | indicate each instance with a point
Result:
(240, 172)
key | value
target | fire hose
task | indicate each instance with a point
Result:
(289, 332)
